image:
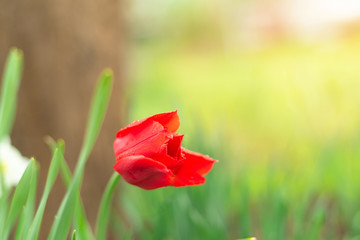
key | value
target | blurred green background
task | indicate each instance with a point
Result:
(271, 89)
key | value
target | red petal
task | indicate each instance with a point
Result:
(174, 145)
(170, 162)
(144, 172)
(145, 138)
(183, 180)
(201, 164)
(194, 167)
(170, 120)
(170, 152)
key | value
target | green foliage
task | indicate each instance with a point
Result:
(20, 198)
(80, 220)
(52, 175)
(98, 108)
(27, 214)
(74, 235)
(4, 204)
(8, 96)
(9, 89)
(105, 207)
(23, 199)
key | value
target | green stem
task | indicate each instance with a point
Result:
(104, 210)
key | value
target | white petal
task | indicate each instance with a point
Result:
(12, 162)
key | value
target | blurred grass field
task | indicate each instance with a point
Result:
(284, 122)
(281, 113)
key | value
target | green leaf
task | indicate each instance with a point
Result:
(97, 113)
(317, 220)
(33, 232)
(74, 235)
(19, 198)
(127, 236)
(52, 144)
(85, 231)
(27, 214)
(9, 89)
(98, 108)
(65, 213)
(80, 221)
(10, 86)
(4, 203)
(104, 210)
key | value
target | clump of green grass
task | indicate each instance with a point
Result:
(20, 216)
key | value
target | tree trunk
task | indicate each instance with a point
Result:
(66, 45)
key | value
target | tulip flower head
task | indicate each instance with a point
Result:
(149, 154)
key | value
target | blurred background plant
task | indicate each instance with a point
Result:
(21, 217)
(270, 88)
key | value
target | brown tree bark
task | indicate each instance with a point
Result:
(66, 45)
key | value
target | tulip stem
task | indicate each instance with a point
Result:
(104, 209)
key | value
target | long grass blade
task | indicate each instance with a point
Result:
(84, 231)
(81, 223)
(19, 198)
(4, 203)
(28, 213)
(74, 235)
(10, 86)
(98, 108)
(104, 210)
(33, 232)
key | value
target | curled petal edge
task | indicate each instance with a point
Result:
(193, 169)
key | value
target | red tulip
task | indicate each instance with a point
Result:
(149, 154)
